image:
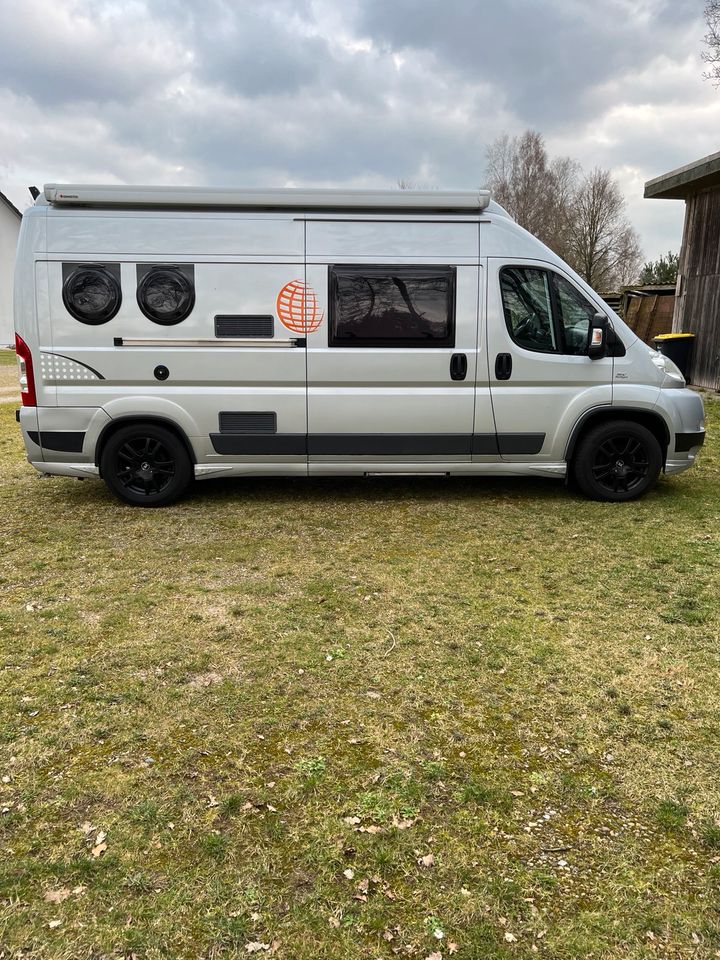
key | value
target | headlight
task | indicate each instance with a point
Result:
(673, 374)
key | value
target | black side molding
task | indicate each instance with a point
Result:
(62, 441)
(388, 444)
(259, 445)
(686, 441)
(374, 444)
(512, 444)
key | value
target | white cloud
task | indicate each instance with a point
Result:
(359, 93)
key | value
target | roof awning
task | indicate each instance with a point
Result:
(399, 201)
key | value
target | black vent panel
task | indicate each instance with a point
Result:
(236, 422)
(243, 326)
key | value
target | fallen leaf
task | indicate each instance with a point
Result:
(334, 922)
(87, 827)
(56, 896)
(100, 837)
(54, 923)
(434, 956)
(99, 849)
(256, 946)
(349, 873)
(371, 829)
(426, 861)
(212, 802)
(352, 820)
(510, 937)
(453, 947)
(402, 824)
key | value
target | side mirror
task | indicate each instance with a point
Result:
(598, 343)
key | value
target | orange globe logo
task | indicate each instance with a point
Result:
(297, 307)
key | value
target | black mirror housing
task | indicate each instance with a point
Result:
(598, 342)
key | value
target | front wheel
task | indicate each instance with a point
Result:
(146, 465)
(617, 461)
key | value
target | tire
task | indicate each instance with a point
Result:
(617, 461)
(146, 465)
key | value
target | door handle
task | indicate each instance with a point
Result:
(458, 366)
(503, 366)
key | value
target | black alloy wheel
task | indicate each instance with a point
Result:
(146, 465)
(617, 461)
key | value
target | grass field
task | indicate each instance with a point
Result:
(344, 719)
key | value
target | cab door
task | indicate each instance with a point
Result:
(394, 354)
(541, 378)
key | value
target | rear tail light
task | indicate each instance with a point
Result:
(27, 378)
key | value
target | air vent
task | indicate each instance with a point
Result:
(235, 422)
(243, 326)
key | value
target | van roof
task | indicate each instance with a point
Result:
(426, 201)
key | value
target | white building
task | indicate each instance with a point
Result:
(10, 218)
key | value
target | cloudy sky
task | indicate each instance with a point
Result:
(351, 92)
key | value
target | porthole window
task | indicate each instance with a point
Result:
(166, 293)
(91, 291)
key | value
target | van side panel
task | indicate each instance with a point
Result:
(393, 403)
(239, 266)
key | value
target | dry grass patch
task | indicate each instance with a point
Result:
(344, 719)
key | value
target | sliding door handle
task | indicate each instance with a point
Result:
(503, 366)
(458, 366)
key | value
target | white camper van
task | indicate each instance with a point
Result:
(166, 334)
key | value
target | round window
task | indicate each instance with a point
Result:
(92, 294)
(165, 295)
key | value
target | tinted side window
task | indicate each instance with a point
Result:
(392, 306)
(575, 315)
(527, 305)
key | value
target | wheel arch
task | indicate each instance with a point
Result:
(653, 421)
(131, 419)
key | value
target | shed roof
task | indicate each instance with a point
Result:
(683, 182)
(10, 204)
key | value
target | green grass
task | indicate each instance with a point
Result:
(340, 718)
(7, 358)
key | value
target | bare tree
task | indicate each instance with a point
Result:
(535, 190)
(711, 56)
(602, 245)
(582, 218)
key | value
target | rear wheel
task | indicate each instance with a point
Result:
(146, 465)
(617, 461)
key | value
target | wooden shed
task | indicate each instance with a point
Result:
(697, 301)
(648, 309)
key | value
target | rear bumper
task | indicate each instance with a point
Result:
(62, 435)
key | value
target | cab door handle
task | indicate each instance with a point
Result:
(458, 366)
(503, 366)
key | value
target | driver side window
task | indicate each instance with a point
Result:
(527, 305)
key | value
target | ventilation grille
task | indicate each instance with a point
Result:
(234, 422)
(239, 326)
